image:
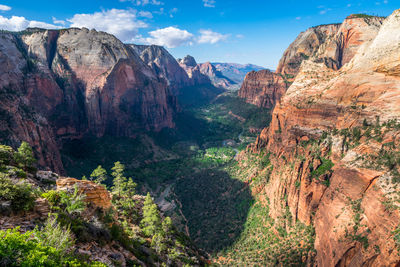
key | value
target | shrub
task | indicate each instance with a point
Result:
(53, 235)
(325, 167)
(72, 202)
(17, 249)
(24, 157)
(20, 195)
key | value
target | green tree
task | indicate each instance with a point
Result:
(24, 156)
(123, 191)
(99, 175)
(119, 180)
(151, 221)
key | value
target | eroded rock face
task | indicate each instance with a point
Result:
(64, 84)
(263, 88)
(348, 205)
(334, 45)
(164, 65)
(191, 67)
(96, 194)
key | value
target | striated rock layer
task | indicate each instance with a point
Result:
(334, 45)
(95, 194)
(64, 84)
(263, 88)
(340, 117)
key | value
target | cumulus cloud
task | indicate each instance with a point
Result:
(209, 3)
(16, 23)
(4, 8)
(170, 37)
(144, 2)
(122, 23)
(210, 37)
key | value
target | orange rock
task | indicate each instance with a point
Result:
(95, 194)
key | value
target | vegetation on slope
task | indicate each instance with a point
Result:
(131, 224)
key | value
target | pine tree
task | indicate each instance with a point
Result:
(123, 191)
(99, 175)
(119, 179)
(151, 221)
(24, 156)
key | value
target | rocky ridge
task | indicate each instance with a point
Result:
(334, 45)
(332, 144)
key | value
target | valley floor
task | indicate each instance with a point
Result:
(195, 179)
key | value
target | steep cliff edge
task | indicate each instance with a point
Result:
(334, 45)
(333, 150)
(64, 84)
(164, 65)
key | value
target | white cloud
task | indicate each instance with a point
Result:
(4, 8)
(170, 37)
(58, 21)
(122, 23)
(145, 14)
(298, 18)
(210, 37)
(239, 36)
(209, 3)
(16, 23)
(144, 2)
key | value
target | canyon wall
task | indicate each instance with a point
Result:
(334, 45)
(64, 84)
(333, 144)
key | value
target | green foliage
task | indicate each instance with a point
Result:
(20, 195)
(151, 221)
(72, 202)
(325, 167)
(123, 191)
(53, 197)
(17, 249)
(53, 235)
(99, 175)
(24, 157)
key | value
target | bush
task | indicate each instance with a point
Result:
(17, 249)
(19, 195)
(53, 235)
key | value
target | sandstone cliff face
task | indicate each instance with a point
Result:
(67, 83)
(191, 67)
(263, 88)
(164, 65)
(326, 118)
(334, 45)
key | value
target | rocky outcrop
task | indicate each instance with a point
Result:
(263, 88)
(328, 170)
(95, 194)
(64, 84)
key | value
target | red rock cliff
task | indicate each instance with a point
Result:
(341, 116)
(334, 45)
(67, 83)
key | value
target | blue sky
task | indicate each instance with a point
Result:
(251, 31)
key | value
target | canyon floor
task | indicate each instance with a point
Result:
(192, 170)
